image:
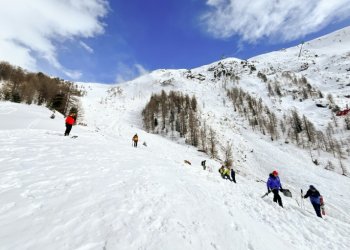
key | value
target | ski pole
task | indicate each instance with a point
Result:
(301, 199)
(267, 193)
(264, 195)
(297, 202)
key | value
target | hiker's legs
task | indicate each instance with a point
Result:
(317, 208)
(68, 129)
(277, 197)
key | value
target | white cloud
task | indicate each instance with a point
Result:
(283, 20)
(141, 70)
(129, 72)
(74, 74)
(30, 30)
(86, 47)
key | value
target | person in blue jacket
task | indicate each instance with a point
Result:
(274, 185)
(315, 199)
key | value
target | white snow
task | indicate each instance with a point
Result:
(98, 192)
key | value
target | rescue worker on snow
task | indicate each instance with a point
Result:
(315, 199)
(274, 185)
(225, 172)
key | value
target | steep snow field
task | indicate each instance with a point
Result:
(98, 192)
(327, 59)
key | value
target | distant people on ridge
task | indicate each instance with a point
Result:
(135, 139)
(274, 185)
(70, 120)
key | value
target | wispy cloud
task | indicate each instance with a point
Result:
(74, 74)
(128, 72)
(283, 20)
(31, 30)
(86, 47)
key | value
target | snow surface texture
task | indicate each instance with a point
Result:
(98, 192)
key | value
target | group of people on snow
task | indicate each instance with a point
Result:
(274, 185)
(71, 119)
(227, 173)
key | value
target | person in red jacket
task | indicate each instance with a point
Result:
(70, 120)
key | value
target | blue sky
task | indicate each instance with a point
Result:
(109, 41)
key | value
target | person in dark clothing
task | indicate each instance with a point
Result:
(274, 185)
(203, 164)
(315, 199)
(233, 175)
(70, 120)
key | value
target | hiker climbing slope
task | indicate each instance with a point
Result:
(315, 199)
(274, 185)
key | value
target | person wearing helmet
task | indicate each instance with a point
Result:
(274, 185)
(315, 199)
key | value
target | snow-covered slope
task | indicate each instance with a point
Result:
(325, 61)
(217, 110)
(98, 192)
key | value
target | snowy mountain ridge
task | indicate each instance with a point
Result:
(209, 84)
(98, 192)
